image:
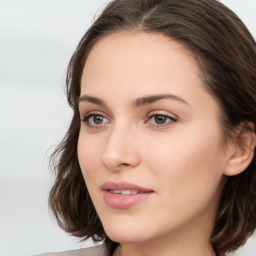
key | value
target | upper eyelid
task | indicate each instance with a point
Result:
(93, 115)
(168, 116)
(163, 113)
(93, 112)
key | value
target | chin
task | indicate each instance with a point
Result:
(126, 237)
(126, 232)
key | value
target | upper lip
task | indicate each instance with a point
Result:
(110, 185)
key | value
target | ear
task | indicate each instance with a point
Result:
(241, 150)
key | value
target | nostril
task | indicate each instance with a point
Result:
(116, 157)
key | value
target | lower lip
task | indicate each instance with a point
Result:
(124, 201)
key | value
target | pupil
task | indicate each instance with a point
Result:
(97, 119)
(160, 119)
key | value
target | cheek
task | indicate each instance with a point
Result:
(187, 176)
(187, 165)
(88, 155)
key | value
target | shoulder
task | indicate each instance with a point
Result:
(90, 251)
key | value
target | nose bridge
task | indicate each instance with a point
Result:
(120, 147)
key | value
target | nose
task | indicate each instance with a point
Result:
(121, 150)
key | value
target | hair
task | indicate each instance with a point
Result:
(226, 55)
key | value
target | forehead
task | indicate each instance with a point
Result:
(140, 47)
(131, 65)
(122, 55)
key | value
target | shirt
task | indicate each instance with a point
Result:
(90, 251)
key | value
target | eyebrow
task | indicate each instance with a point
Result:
(139, 102)
(154, 98)
(92, 99)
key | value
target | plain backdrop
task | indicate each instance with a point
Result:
(37, 39)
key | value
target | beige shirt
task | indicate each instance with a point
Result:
(91, 251)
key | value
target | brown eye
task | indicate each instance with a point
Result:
(97, 119)
(94, 120)
(159, 119)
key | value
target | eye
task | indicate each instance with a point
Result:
(95, 120)
(161, 120)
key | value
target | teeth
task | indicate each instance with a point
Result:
(124, 192)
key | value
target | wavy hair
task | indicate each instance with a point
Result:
(226, 54)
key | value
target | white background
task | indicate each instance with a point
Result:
(37, 39)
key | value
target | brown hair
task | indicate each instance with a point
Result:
(226, 54)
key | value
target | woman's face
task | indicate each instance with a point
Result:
(150, 145)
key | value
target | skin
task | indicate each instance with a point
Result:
(181, 159)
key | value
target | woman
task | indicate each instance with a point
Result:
(159, 157)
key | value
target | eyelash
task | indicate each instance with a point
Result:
(86, 120)
(171, 120)
(87, 117)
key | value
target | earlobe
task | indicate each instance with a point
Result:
(241, 152)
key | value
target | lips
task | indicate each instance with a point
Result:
(124, 186)
(124, 195)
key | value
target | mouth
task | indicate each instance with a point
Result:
(124, 195)
(124, 187)
(124, 192)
